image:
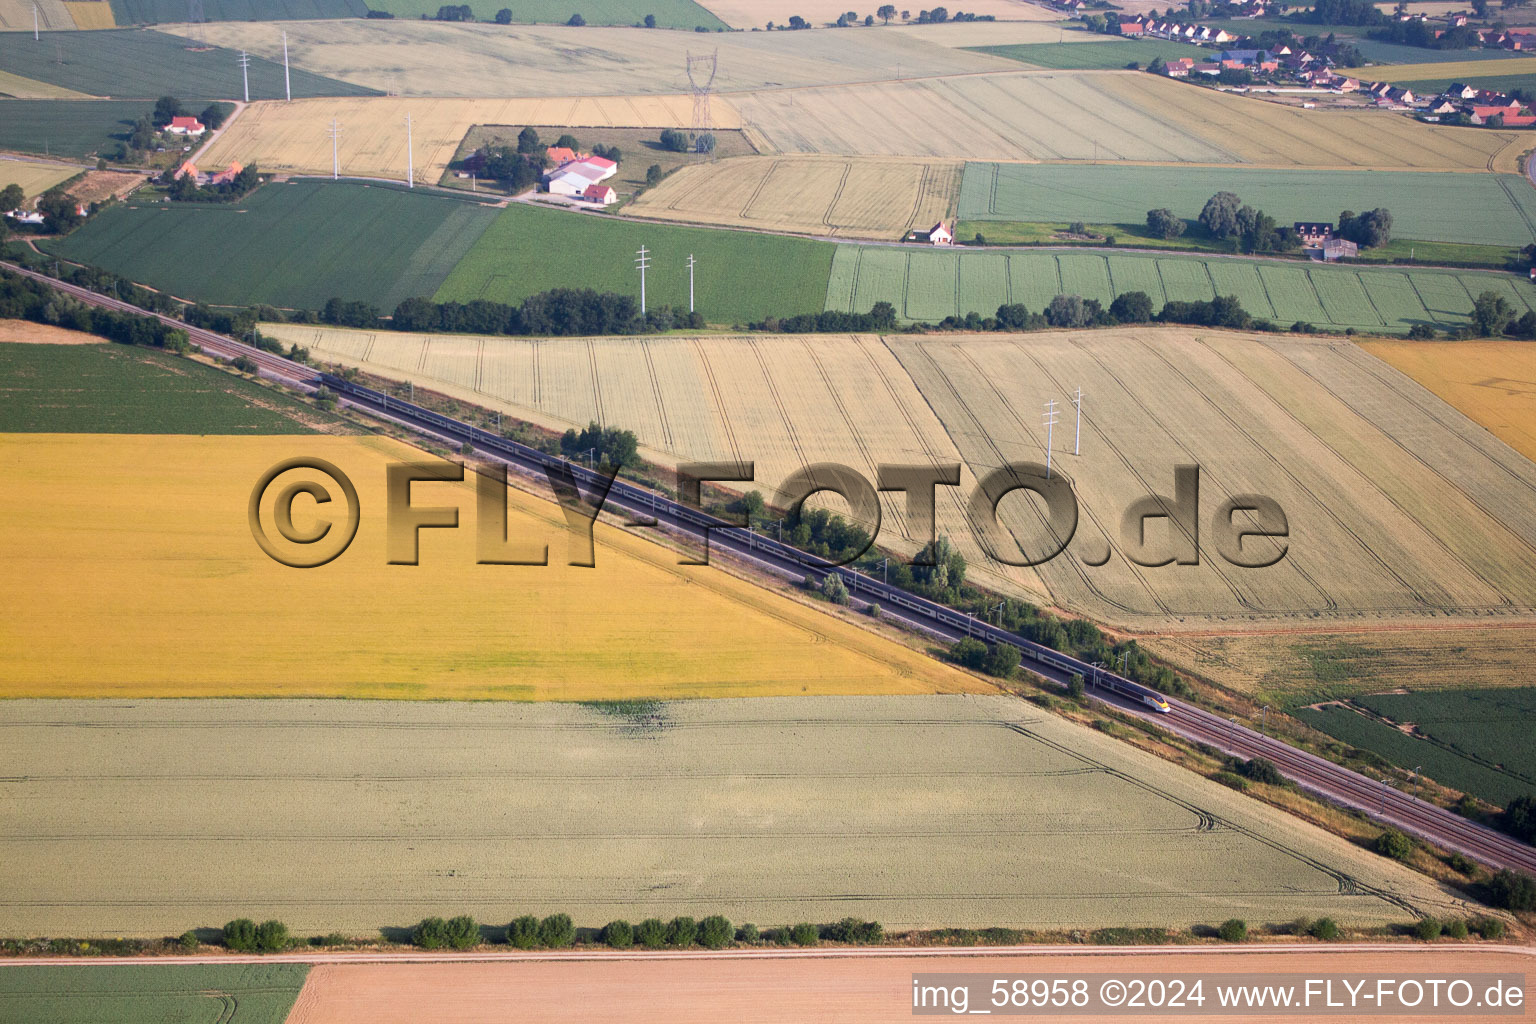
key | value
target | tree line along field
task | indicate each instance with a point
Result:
(867, 198)
(768, 810)
(152, 64)
(1400, 509)
(429, 58)
(1103, 115)
(100, 388)
(1102, 54)
(292, 137)
(926, 285)
(185, 994)
(165, 596)
(160, 12)
(293, 244)
(1450, 755)
(669, 14)
(1490, 382)
(73, 128)
(752, 14)
(1492, 209)
(741, 276)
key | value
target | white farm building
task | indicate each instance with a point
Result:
(574, 178)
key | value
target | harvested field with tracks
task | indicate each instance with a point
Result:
(870, 198)
(290, 138)
(918, 812)
(1104, 115)
(424, 58)
(1399, 507)
(169, 595)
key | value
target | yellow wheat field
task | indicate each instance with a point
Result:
(1492, 382)
(870, 198)
(292, 137)
(1103, 115)
(35, 176)
(91, 13)
(17, 15)
(758, 13)
(29, 89)
(1457, 69)
(1400, 509)
(424, 58)
(110, 593)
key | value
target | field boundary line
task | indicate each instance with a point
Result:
(661, 407)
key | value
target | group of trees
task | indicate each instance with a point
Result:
(22, 298)
(675, 141)
(607, 446)
(558, 931)
(246, 936)
(563, 311)
(1494, 316)
(1423, 34)
(458, 12)
(1368, 229)
(881, 317)
(1225, 216)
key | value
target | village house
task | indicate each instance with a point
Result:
(1132, 28)
(602, 195)
(189, 126)
(227, 175)
(1313, 233)
(559, 156)
(188, 167)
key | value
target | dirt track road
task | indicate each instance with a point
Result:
(843, 986)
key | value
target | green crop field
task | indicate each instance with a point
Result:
(1396, 53)
(180, 994)
(684, 14)
(72, 128)
(741, 275)
(295, 244)
(170, 12)
(1111, 53)
(1434, 86)
(1488, 727)
(1446, 766)
(1445, 207)
(927, 285)
(118, 389)
(134, 62)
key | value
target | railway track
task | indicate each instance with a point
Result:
(1313, 773)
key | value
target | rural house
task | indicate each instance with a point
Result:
(940, 234)
(1313, 233)
(189, 126)
(574, 178)
(1340, 248)
(602, 195)
(227, 175)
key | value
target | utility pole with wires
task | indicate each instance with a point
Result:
(1050, 428)
(334, 131)
(691, 263)
(287, 82)
(245, 73)
(1077, 439)
(410, 159)
(642, 260)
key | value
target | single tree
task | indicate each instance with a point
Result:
(715, 932)
(1162, 223)
(504, 16)
(1219, 215)
(650, 21)
(1066, 311)
(1131, 307)
(1491, 312)
(1233, 930)
(886, 12)
(556, 931)
(618, 934)
(523, 932)
(528, 141)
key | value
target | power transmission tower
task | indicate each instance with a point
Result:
(245, 73)
(287, 83)
(701, 79)
(410, 162)
(691, 263)
(1077, 440)
(1050, 430)
(195, 19)
(642, 260)
(335, 133)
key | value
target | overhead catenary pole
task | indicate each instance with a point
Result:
(1077, 439)
(287, 82)
(691, 263)
(1050, 429)
(642, 260)
(410, 163)
(245, 73)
